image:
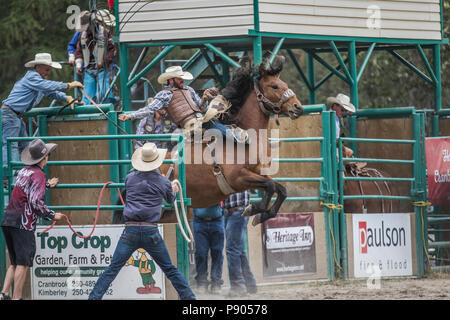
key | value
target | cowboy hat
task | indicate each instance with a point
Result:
(36, 151)
(342, 100)
(103, 15)
(174, 72)
(106, 17)
(148, 157)
(43, 58)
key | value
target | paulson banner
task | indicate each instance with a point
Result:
(438, 170)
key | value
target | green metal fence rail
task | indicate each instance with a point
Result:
(182, 249)
(418, 184)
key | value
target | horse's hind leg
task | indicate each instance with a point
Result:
(272, 212)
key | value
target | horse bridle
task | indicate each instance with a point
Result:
(268, 107)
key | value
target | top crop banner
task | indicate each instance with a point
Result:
(438, 170)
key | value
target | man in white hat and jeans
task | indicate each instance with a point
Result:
(28, 93)
(341, 104)
(184, 106)
(26, 205)
(146, 190)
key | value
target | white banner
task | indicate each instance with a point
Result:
(292, 237)
(382, 244)
(67, 267)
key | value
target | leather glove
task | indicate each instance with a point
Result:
(74, 84)
(70, 98)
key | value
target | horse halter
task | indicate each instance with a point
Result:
(268, 107)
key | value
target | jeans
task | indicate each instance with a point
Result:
(240, 275)
(13, 126)
(209, 236)
(224, 130)
(148, 238)
(96, 86)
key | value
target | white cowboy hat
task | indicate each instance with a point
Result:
(43, 58)
(103, 15)
(106, 17)
(148, 157)
(36, 151)
(174, 72)
(342, 100)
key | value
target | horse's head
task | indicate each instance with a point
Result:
(273, 94)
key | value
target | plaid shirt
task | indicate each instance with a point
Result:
(162, 100)
(240, 199)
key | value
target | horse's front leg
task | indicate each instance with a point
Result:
(268, 187)
(251, 180)
(272, 212)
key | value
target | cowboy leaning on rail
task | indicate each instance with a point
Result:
(341, 104)
(185, 107)
(28, 93)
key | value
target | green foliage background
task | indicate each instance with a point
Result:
(29, 27)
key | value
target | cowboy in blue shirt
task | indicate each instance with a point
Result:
(146, 190)
(28, 93)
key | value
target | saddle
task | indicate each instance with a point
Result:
(360, 169)
(357, 169)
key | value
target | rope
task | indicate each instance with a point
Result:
(97, 106)
(332, 207)
(422, 204)
(96, 214)
(191, 237)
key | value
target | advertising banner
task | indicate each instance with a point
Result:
(438, 170)
(382, 243)
(67, 267)
(289, 246)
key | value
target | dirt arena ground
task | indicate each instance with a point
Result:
(434, 286)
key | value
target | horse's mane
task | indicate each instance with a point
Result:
(237, 89)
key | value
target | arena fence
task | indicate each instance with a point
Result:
(118, 169)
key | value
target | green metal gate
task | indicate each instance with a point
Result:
(418, 194)
(117, 165)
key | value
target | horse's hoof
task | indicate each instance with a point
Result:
(256, 220)
(247, 211)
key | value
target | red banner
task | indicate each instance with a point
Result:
(438, 170)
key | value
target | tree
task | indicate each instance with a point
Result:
(29, 27)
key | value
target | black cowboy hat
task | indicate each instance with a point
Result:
(36, 151)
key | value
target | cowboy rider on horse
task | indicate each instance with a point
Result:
(187, 110)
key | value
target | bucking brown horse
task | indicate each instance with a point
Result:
(254, 96)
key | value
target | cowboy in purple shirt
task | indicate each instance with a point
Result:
(28, 93)
(25, 207)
